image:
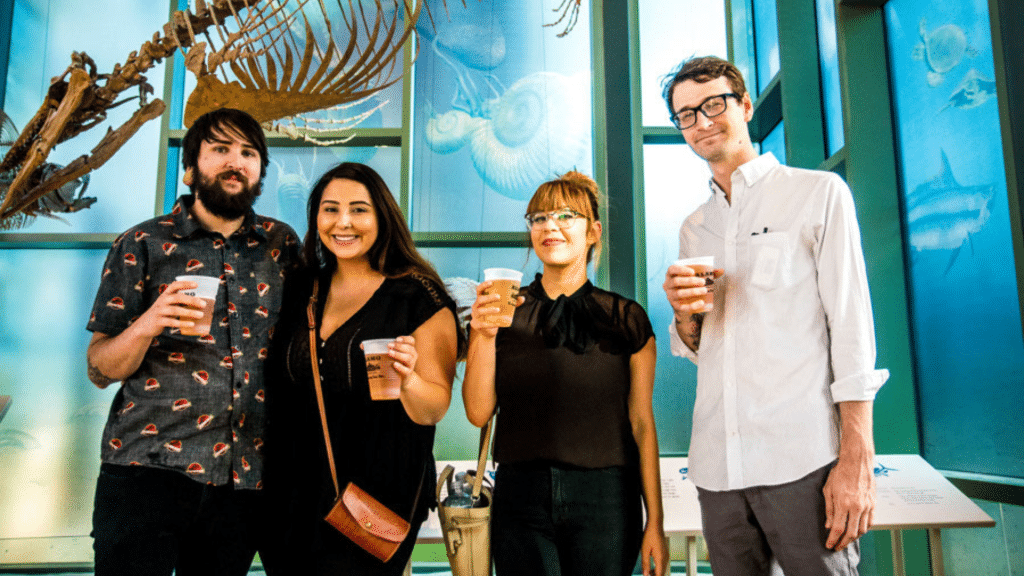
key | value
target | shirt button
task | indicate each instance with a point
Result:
(321, 360)
(230, 407)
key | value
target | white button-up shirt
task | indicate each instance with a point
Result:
(791, 332)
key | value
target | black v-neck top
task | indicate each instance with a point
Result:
(563, 378)
(376, 444)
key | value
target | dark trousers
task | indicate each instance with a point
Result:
(148, 521)
(745, 529)
(561, 521)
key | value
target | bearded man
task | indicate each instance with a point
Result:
(179, 485)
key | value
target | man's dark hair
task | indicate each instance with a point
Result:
(223, 120)
(700, 70)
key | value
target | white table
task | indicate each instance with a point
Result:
(682, 511)
(911, 495)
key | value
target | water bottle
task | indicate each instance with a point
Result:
(460, 494)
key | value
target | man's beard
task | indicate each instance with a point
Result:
(222, 204)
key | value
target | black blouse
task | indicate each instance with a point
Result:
(563, 378)
(376, 444)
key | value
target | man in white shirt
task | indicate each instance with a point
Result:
(782, 450)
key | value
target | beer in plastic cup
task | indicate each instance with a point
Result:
(207, 290)
(703, 267)
(506, 283)
(385, 383)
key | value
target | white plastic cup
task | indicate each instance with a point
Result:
(385, 383)
(505, 282)
(703, 267)
(207, 290)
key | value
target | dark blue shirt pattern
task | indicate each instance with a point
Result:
(196, 403)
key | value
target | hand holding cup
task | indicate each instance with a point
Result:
(689, 285)
(487, 309)
(206, 288)
(496, 301)
(382, 358)
(176, 308)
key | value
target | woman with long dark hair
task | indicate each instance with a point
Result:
(370, 283)
(571, 380)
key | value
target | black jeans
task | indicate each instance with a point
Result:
(561, 521)
(152, 521)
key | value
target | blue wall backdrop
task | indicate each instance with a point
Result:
(967, 330)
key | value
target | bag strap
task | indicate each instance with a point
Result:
(311, 317)
(481, 461)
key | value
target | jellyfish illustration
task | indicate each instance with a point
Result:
(538, 128)
(941, 50)
(451, 130)
(518, 137)
(477, 39)
(469, 97)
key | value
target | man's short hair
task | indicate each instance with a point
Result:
(224, 120)
(700, 70)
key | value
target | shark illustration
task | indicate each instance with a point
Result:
(882, 470)
(942, 214)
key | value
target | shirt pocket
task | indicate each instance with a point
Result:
(770, 260)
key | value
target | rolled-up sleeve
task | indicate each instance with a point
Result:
(843, 289)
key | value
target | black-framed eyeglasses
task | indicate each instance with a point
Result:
(711, 106)
(563, 217)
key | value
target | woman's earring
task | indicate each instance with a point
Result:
(320, 254)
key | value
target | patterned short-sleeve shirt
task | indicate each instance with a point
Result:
(195, 404)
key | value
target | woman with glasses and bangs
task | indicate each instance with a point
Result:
(572, 380)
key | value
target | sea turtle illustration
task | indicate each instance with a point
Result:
(941, 49)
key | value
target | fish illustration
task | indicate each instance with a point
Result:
(973, 91)
(18, 439)
(942, 214)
